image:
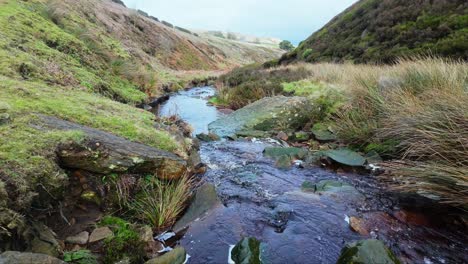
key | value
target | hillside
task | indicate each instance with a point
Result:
(103, 46)
(380, 31)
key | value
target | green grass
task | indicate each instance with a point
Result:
(160, 203)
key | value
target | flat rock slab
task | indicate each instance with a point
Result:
(263, 115)
(205, 199)
(100, 234)
(14, 257)
(79, 239)
(104, 153)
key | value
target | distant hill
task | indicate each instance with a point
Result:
(381, 30)
(273, 42)
(90, 43)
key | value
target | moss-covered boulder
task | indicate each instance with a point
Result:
(367, 251)
(264, 115)
(105, 153)
(247, 251)
(175, 256)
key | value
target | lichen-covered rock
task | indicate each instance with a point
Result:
(208, 137)
(14, 257)
(345, 157)
(205, 200)
(367, 251)
(99, 234)
(44, 240)
(105, 153)
(176, 256)
(265, 115)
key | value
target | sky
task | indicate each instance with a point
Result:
(292, 20)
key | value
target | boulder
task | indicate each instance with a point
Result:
(283, 162)
(176, 256)
(208, 137)
(78, 239)
(265, 115)
(105, 153)
(205, 200)
(14, 257)
(247, 251)
(44, 240)
(367, 251)
(100, 233)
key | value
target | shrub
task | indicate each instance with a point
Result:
(306, 54)
(286, 45)
(167, 24)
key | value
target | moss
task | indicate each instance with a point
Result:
(79, 257)
(125, 242)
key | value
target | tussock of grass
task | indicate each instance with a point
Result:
(160, 202)
(414, 110)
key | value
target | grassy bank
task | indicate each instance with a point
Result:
(414, 113)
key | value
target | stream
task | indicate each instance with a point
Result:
(262, 201)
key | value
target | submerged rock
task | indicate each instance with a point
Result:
(328, 186)
(205, 199)
(14, 257)
(247, 251)
(105, 153)
(265, 115)
(176, 256)
(278, 152)
(367, 251)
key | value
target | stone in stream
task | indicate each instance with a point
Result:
(176, 256)
(78, 239)
(247, 251)
(205, 200)
(14, 257)
(265, 115)
(105, 153)
(278, 152)
(367, 251)
(345, 156)
(331, 186)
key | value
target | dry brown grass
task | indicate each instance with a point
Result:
(415, 110)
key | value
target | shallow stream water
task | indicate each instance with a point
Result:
(262, 201)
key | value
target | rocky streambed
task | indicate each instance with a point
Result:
(300, 215)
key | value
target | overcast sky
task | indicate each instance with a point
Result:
(294, 20)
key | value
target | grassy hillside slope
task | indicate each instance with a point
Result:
(88, 62)
(379, 31)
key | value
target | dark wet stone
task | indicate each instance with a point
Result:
(105, 153)
(205, 199)
(247, 251)
(175, 256)
(367, 251)
(265, 115)
(14, 257)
